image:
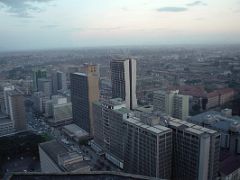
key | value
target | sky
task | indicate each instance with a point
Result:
(46, 24)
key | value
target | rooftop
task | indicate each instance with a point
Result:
(155, 129)
(190, 127)
(103, 175)
(80, 74)
(217, 121)
(75, 130)
(53, 149)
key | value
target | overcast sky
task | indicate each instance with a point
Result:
(43, 24)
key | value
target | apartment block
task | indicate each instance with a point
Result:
(171, 103)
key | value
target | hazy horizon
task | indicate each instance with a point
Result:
(56, 24)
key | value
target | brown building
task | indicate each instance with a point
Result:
(84, 91)
(219, 97)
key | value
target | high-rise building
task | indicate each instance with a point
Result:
(6, 90)
(123, 77)
(17, 110)
(195, 151)
(171, 103)
(37, 74)
(91, 69)
(148, 149)
(108, 128)
(137, 146)
(61, 81)
(45, 86)
(84, 91)
(39, 101)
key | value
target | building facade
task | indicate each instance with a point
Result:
(171, 103)
(148, 149)
(195, 151)
(17, 110)
(84, 91)
(123, 77)
(108, 128)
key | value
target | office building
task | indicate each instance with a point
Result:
(171, 103)
(39, 101)
(61, 81)
(138, 146)
(92, 69)
(56, 158)
(59, 111)
(37, 74)
(45, 86)
(75, 133)
(195, 151)
(17, 110)
(148, 148)
(108, 128)
(84, 91)
(6, 90)
(123, 77)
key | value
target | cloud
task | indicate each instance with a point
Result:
(98, 28)
(197, 3)
(22, 8)
(172, 9)
(51, 26)
(124, 8)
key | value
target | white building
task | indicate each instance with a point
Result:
(123, 77)
(171, 103)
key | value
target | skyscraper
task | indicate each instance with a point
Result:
(17, 110)
(61, 81)
(45, 86)
(133, 145)
(37, 74)
(108, 128)
(84, 91)
(123, 77)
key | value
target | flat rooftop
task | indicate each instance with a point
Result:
(217, 121)
(75, 130)
(157, 129)
(103, 175)
(53, 149)
(190, 127)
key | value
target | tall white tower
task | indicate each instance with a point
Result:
(123, 76)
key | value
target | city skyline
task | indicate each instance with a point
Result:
(46, 24)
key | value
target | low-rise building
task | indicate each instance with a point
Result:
(55, 158)
(227, 125)
(74, 132)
